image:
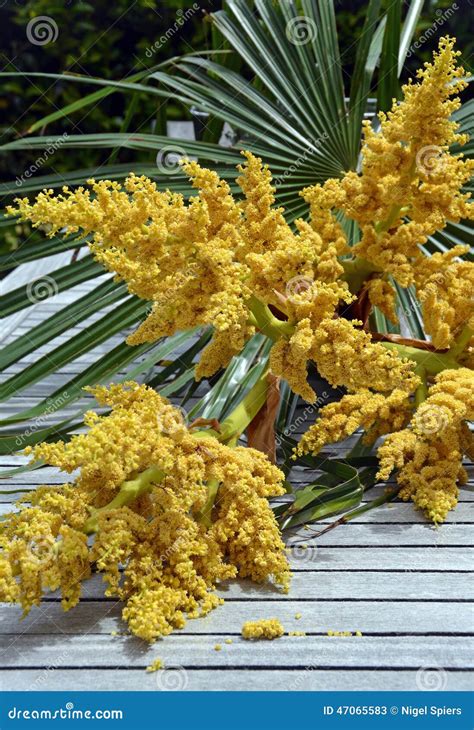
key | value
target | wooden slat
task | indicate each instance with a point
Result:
(349, 586)
(199, 651)
(381, 617)
(248, 679)
(391, 535)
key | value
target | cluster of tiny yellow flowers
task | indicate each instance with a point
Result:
(410, 185)
(141, 490)
(205, 262)
(428, 453)
(266, 628)
(382, 295)
(425, 442)
(445, 288)
(155, 666)
(347, 356)
(363, 409)
(343, 634)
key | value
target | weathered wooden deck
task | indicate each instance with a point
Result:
(406, 586)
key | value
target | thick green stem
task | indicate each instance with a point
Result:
(266, 322)
(230, 431)
(432, 362)
(205, 515)
(356, 272)
(129, 492)
(394, 214)
(461, 342)
(236, 422)
(422, 391)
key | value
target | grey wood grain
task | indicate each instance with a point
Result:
(349, 586)
(381, 617)
(198, 651)
(251, 680)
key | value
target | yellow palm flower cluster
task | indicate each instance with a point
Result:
(445, 288)
(428, 454)
(265, 628)
(143, 491)
(204, 262)
(410, 185)
(376, 413)
(425, 444)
